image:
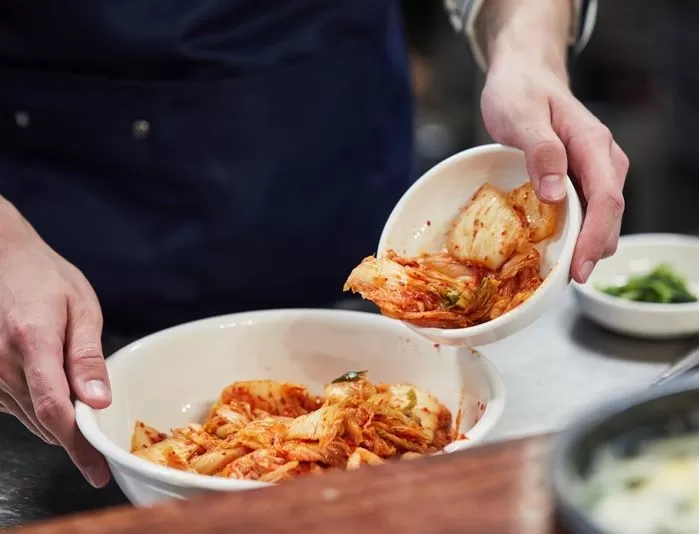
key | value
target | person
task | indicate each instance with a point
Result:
(166, 161)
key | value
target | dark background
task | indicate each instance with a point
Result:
(637, 75)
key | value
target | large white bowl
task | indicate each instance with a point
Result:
(637, 255)
(421, 219)
(171, 378)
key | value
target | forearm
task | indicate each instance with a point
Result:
(533, 30)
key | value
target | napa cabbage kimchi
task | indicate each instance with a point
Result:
(272, 431)
(488, 266)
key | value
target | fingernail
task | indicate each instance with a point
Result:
(586, 270)
(552, 187)
(96, 389)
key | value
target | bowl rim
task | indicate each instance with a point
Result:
(658, 240)
(574, 219)
(88, 426)
(563, 481)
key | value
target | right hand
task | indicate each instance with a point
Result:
(531, 106)
(50, 342)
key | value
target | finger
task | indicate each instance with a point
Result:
(87, 376)
(87, 372)
(90, 462)
(14, 395)
(613, 242)
(621, 163)
(601, 167)
(42, 349)
(621, 167)
(51, 398)
(9, 406)
(25, 413)
(547, 162)
(591, 157)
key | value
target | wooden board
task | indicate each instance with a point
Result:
(494, 489)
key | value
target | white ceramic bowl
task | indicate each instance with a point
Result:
(421, 219)
(171, 378)
(637, 255)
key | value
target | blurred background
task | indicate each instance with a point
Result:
(637, 75)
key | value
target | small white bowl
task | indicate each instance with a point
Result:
(637, 255)
(170, 378)
(421, 219)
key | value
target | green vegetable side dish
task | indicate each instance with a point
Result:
(662, 286)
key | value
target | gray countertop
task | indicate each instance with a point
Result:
(564, 364)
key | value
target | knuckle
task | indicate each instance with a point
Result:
(610, 249)
(549, 154)
(73, 271)
(604, 135)
(614, 202)
(624, 162)
(21, 332)
(548, 148)
(36, 378)
(88, 313)
(88, 355)
(48, 410)
(607, 253)
(592, 137)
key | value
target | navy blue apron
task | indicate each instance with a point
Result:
(196, 158)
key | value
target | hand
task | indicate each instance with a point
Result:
(531, 107)
(50, 342)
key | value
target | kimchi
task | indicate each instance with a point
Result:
(489, 264)
(273, 431)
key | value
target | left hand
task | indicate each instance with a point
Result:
(531, 107)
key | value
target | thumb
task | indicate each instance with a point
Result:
(547, 163)
(85, 367)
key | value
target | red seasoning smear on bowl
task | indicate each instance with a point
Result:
(489, 264)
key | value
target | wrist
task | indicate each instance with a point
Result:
(532, 31)
(507, 51)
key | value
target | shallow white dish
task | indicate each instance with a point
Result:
(637, 255)
(171, 378)
(421, 219)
